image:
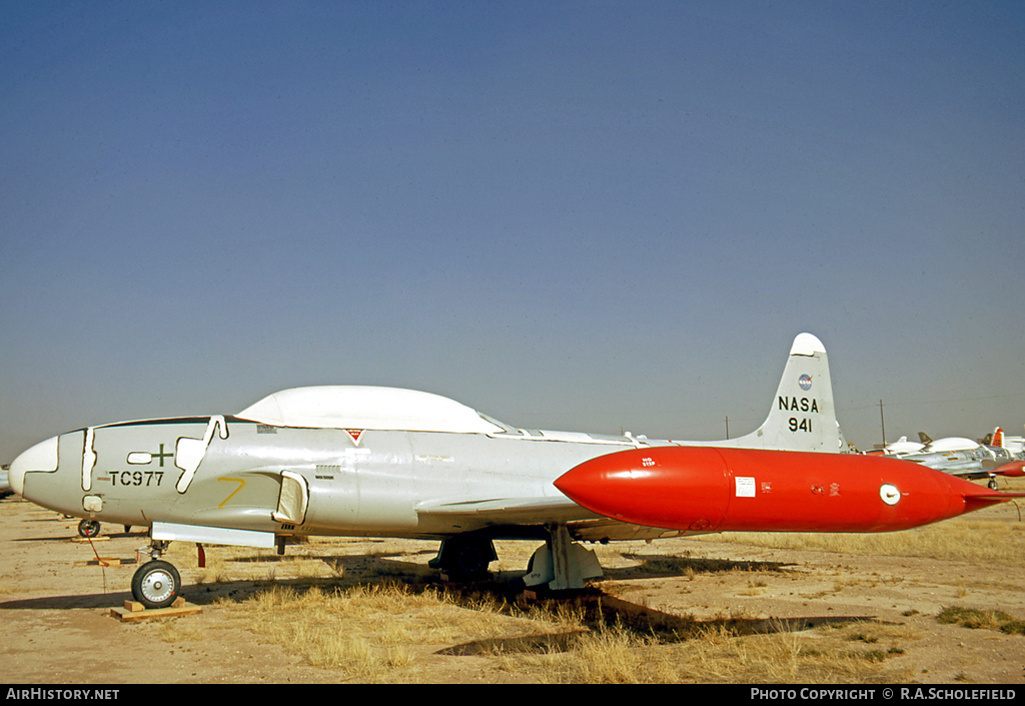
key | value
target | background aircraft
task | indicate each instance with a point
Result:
(371, 461)
(1014, 444)
(901, 446)
(960, 456)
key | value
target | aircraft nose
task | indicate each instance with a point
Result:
(41, 457)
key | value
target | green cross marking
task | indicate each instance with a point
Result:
(162, 455)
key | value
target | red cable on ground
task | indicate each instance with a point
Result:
(101, 563)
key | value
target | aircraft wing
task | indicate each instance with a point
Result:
(470, 515)
(474, 515)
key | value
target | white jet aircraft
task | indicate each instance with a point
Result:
(372, 461)
(960, 456)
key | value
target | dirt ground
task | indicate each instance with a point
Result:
(57, 628)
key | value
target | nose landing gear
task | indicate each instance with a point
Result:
(156, 584)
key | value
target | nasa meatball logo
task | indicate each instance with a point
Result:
(805, 382)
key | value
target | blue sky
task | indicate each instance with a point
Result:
(575, 215)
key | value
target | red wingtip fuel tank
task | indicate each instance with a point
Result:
(706, 489)
(1014, 469)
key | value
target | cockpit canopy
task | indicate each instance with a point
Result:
(364, 407)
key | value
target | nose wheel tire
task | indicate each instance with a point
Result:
(156, 584)
(89, 528)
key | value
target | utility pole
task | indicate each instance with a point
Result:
(882, 421)
(727, 426)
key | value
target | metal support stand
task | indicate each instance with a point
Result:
(562, 563)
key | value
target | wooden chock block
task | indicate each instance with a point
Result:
(134, 610)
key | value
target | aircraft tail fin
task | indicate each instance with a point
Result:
(997, 438)
(803, 415)
(924, 438)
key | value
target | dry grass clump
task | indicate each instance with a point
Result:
(613, 655)
(974, 618)
(332, 630)
(397, 633)
(175, 631)
(385, 632)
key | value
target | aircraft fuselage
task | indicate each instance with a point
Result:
(239, 474)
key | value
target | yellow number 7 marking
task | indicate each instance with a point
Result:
(230, 480)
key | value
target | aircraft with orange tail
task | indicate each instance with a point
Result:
(963, 457)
